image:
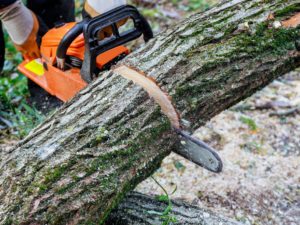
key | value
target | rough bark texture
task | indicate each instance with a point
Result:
(77, 165)
(140, 209)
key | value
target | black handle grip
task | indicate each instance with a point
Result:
(67, 40)
(94, 46)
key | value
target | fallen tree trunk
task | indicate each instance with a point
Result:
(139, 209)
(77, 165)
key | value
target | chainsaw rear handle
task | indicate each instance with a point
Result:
(67, 40)
(91, 27)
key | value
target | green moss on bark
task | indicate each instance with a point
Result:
(287, 11)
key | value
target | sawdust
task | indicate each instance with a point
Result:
(260, 183)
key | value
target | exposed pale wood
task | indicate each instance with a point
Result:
(154, 91)
(294, 21)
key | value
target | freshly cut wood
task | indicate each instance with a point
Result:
(140, 209)
(77, 166)
(294, 21)
(153, 90)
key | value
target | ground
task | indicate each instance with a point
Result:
(258, 140)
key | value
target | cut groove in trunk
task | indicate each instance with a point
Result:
(154, 91)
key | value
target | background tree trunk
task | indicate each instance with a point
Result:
(140, 209)
(77, 165)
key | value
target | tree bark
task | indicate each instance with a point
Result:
(140, 209)
(77, 166)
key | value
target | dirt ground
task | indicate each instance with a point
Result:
(259, 142)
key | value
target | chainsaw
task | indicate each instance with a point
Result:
(73, 54)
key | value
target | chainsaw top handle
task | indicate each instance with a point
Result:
(91, 29)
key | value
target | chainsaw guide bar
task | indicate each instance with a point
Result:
(191, 148)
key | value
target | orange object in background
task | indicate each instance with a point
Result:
(64, 84)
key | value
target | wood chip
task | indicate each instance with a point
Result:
(294, 21)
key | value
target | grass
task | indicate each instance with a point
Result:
(192, 5)
(249, 122)
(15, 112)
(166, 216)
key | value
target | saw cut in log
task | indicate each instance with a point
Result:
(78, 165)
(154, 91)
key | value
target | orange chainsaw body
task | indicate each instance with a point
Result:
(63, 84)
(74, 53)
